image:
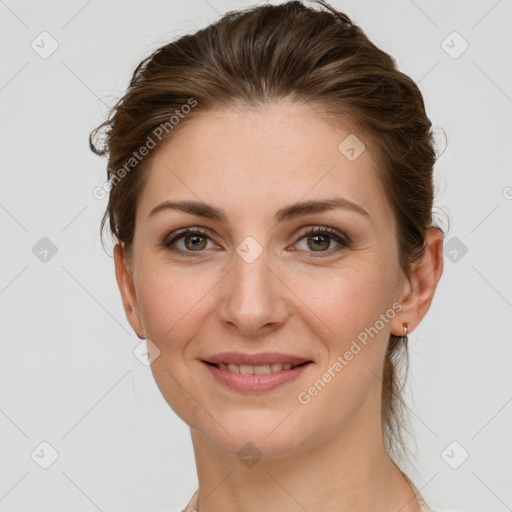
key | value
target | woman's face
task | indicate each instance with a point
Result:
(253, 280)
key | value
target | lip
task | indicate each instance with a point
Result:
(255, 359)
(256, 383)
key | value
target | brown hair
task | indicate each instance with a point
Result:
(262, 55)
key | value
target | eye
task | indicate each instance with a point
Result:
(194, 240)
(321, 238)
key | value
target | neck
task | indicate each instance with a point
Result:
(349, 471)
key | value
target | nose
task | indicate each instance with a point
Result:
(253, 297)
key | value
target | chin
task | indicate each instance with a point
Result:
(270, 437)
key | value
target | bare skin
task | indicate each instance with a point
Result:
(306, 299)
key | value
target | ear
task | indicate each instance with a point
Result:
(124, 277)
(418, 292)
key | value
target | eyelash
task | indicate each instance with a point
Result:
(331, 233)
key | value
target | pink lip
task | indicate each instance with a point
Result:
(254, 359)
(256, 383)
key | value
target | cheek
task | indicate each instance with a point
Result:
(347, 305)
(172, 313)
(347, 309)
(345, 301)
(171, 304)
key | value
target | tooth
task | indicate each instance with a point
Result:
(264, 368)
(246, 369)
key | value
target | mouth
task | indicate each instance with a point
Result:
(256, 379)
(263, 369)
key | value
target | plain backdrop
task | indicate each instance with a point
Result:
(73, 396)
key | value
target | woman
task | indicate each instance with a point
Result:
(271, 196)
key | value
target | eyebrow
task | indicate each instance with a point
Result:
(289, 212)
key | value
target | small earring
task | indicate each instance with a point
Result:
(404, 337)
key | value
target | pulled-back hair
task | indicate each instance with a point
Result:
(262, 55)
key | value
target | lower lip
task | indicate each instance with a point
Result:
(255, 383)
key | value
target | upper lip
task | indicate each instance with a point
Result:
(255, 359)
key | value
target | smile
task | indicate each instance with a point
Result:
(249, 379)
(247, 369)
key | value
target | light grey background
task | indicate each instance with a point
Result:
(68, 373)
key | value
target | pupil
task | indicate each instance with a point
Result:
(196, 241)
(317, 238)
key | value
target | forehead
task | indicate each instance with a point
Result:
(259, 159)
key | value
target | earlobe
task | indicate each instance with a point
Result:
(425, 275)
(126, 287)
